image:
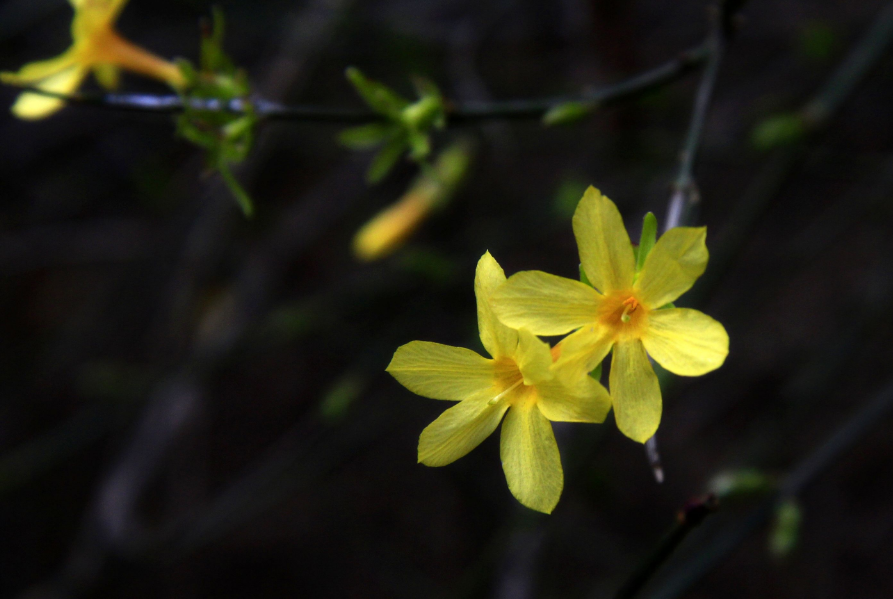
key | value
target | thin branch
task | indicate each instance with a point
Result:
(688, 518)
(685, 191)
(471, 112)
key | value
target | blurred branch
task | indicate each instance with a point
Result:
(470, 112)
(688, 518)
(815, 116)
(874, 412)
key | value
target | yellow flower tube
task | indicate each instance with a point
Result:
(387, 231)
(96, 46)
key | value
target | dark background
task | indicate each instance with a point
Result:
(195, 404)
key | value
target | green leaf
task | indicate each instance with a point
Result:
(419, 145)
(567, 113)
(364, 136)
(778, 130)
(786, 529)
(385, 160)
(340, 396)
(239, 193)
(741, 483)
(423, 114)
(818, 41)
(646, 239)
(378, 96)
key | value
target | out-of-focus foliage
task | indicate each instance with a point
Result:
(406, 126)
(226, 136)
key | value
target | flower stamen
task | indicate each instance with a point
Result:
(496, 399)
(632, 304)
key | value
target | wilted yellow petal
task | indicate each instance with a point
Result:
(441, 371)
(635, 391)
(580, 353)
(533, 357)
(545, 304)
(686, 342)
(459, 430)
(678, 258)
(605, 250)
(530, 458)
(587, 401)
(35, 106)
(497, 338)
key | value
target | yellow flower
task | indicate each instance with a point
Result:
(622, 312)
(96, 46)
(517, 382)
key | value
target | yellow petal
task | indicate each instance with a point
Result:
(635, 391)
(686, 342)
(459, 430)
(441, 371)
(545, 304)
(605, 250)
(530, 458)
(587, 401)
(581, 353)
(497, 338)
(33, 72)
(104, 10)
(674, 264)
(534, 358)
(34, 106)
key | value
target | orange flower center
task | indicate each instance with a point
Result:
(623, 314)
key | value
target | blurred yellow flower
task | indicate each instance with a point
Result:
(389, 229)
(622, 312)
(518, 383)
(96, 46)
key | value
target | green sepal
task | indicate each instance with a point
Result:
(378, 96)
(646, 240)
(597, 373)
(567, 113)
(583, 277)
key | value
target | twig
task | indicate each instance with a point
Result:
(471, 112)
(685, 190)
(688, 518)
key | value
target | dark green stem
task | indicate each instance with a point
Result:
(457, 114)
